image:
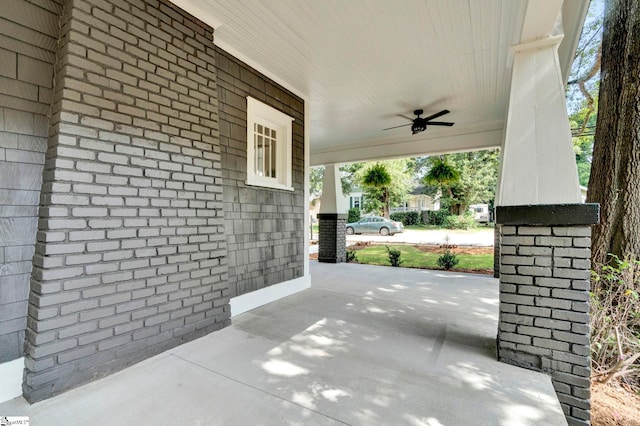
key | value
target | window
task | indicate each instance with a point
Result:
(269, 136)
(355, 202)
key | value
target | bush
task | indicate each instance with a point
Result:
(460, 222)
(351, 256)
(407, 218)
(424, 217)
(394, 257)
(438, 217)
(615, 320)
(353, 215)
(448, 260)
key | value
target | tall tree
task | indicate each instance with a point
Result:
(465, 178)
(381, 197)
(615, 171)
(315, 181)
(442, 175)
(378, 179)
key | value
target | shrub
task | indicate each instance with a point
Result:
(424, 217)
(394, 257)
(447, 260)
(407, 218)
(438, 217)
(460, 222)
(353, 215)
(615, 320)
(351, 256)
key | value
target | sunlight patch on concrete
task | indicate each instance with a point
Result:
(415, 421)
(518, 415)
(309, 352)
(283, 368)
(471, 375)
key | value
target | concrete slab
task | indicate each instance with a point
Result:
(365, 345)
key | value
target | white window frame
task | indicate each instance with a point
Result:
(260, 113)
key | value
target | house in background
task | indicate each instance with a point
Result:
(418, 201)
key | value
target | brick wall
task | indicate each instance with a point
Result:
(265, 227)
(28, 35)
(131, 252)
(544, 308)
(332, 246)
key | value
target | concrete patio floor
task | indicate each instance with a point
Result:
(366, 345)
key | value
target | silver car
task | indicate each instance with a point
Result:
(374, 225)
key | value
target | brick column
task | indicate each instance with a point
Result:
(333, 238)
(496, 251)
(544, 296)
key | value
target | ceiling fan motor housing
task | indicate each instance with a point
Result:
(419, 125)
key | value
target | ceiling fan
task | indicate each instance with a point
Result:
(419, 124)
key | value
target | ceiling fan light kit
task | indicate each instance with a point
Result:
(419, 124)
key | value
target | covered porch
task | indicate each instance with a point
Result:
(363, 345)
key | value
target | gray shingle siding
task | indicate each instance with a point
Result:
(28, 42)
(265, 227)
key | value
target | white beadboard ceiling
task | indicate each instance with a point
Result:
(359, 63)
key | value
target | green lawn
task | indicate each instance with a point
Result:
(423, 227)
(412, 257)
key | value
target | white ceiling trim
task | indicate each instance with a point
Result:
(486, 136)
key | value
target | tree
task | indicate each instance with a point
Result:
(583, 126)
(315, 181)
(464, 179)
(615, 172)
(377, 179)
(380, 197)
(348, 177)
(442, 175)
(316, 175)
(582, 89)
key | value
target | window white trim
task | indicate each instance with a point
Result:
(261, 114)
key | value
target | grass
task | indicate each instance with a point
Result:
(413, 257)
(423, 227)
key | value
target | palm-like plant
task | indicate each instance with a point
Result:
(442, 174)
(378, 177)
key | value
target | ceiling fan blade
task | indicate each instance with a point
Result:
(437, 114)
(404, 116)
(439, 123)
(404, 125)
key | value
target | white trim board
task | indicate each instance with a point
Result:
(11, 379)
(255, 299)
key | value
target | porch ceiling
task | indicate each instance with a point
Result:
(359, 63)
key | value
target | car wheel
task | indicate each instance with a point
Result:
(384, 231)
(349, 230)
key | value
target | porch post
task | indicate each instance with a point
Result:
(333, 218)
(544, 233)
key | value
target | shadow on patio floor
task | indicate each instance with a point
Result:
(366, 345)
